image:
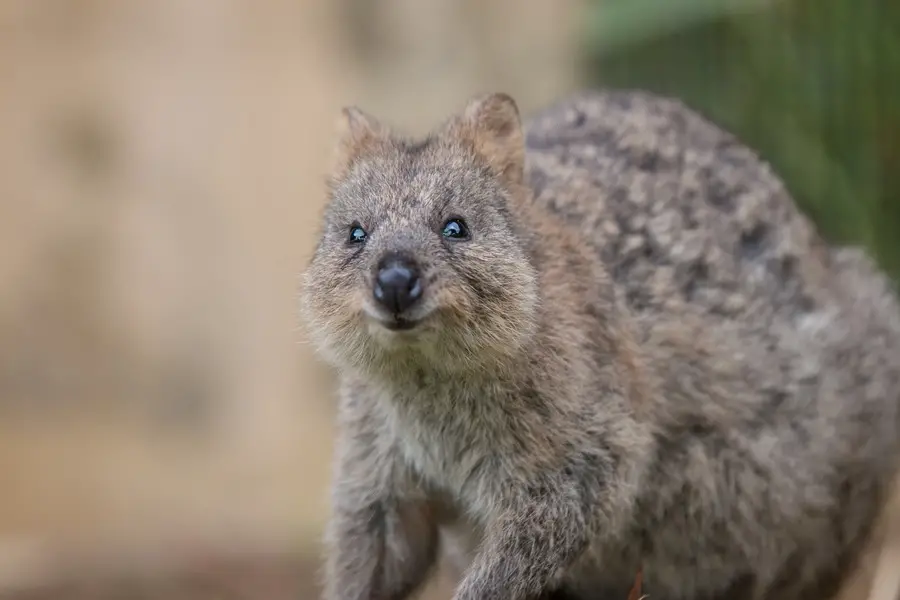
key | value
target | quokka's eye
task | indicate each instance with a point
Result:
(455, 229)
(357, 235)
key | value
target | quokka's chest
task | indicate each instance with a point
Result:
(447, 460)
(451, 454)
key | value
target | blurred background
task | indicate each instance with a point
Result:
(165, 432)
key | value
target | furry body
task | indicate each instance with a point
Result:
(644, 357)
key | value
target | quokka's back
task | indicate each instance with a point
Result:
(686, 215)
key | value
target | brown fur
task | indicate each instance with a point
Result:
(644, 357)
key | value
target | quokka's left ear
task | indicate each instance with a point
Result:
(492, 125)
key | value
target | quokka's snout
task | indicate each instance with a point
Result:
(398, 285)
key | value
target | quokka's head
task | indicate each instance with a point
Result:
(422, 258)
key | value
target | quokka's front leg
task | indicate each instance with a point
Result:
(379, 551)
(381, 540)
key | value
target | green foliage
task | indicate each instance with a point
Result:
(813, 86)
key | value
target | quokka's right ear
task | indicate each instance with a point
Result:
(357, 133)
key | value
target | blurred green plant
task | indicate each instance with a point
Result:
(814, 87)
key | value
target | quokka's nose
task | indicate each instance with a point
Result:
(397, 284)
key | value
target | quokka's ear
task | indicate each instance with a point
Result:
(357, 133)
(491, 124)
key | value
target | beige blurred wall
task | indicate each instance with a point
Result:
(161, 170)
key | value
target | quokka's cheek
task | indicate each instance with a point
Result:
(452, 297)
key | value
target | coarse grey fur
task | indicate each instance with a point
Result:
(645, 358)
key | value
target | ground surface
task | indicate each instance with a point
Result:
(248, 579)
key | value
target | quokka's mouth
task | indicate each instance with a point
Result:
(394, 322)
(400, 324)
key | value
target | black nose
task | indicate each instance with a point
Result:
(397, 284)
